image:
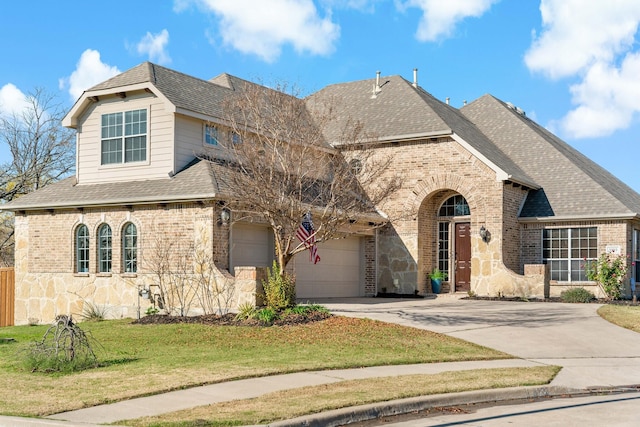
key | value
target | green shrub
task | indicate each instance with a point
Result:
(246, 311)
(577, 295)
(279, 289)
(267, 315)
(609, 270)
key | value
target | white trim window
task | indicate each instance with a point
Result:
(569, 251)
(124, 137)
(130, 248)
(82, 249)
(210, 135)
(104, 249)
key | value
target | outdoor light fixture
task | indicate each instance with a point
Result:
(225, 216)
(484, 234)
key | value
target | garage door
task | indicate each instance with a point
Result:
(338, 274)
(252, 246)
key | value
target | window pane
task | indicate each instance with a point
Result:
(104, 249)
(135, 149)
(567, 250)
(129, 248)
(111, 151)
(210, 135)
(82, 249)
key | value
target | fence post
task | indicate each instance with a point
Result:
(7, 296)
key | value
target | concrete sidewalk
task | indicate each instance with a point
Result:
(593, 353)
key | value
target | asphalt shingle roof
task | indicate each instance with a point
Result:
(572, 184)
(196, 182)
(401, 110)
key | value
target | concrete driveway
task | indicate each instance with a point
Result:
(593, 352)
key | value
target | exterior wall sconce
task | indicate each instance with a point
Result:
(144, 293)
(225, 216)
(484, 234)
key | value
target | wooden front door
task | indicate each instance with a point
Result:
(462, 259)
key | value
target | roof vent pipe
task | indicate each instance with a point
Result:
(446, 100)
(415, 77)
(376, 86)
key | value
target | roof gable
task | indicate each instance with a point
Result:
(574, 185)
(401, 111)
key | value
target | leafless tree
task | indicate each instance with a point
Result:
(184, 273)
(42, 151)
(277, 166)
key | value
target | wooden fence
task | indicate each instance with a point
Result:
(7, 296)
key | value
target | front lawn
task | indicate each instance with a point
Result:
(625, 316)
(148, 359)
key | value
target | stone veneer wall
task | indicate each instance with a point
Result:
(46, 282)
(433, 170)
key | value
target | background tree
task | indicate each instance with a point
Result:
(42, 151)
(278, 167)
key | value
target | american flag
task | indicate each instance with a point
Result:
(306, 235)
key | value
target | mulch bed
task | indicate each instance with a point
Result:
(230, 319)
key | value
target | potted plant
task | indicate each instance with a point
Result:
(437, 276)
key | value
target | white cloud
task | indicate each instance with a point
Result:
(577, 34)
(90, 70)
(154, 45)
(263, 27)
(12, 100)
(440, 17)
(607, 99)
(593, 42)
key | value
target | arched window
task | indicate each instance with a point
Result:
(454, 206)
(104, 249)
(82, 249)
(130, 248)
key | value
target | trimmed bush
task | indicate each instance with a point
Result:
(580, 295)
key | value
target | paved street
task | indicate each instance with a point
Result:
(618, 410)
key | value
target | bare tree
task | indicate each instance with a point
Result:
(42, 151)
(278, 167)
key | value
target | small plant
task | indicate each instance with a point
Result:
(279, 289)
(471, 294)
(267, 315)
(437, 274)
(246, 311)
(63, 348)
(151, 310)
(577, 295)
(609, 270)
(94, 312)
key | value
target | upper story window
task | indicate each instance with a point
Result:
(124, 137)
(82, 249)
(454, 206)
(568, 251)
(210, 135)
(104, 249)
(130, 248)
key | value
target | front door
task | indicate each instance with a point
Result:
(462, 259)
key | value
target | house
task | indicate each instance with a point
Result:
(488, 196)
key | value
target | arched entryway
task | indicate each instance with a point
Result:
(454, 242)
(445, 239)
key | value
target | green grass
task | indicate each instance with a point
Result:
(625, 316)
(140, 360)
(289, 404)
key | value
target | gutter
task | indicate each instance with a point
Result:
(608, 217)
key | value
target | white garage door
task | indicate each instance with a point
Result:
(338, 274)
(252, 246)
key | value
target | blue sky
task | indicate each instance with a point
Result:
(571, 65)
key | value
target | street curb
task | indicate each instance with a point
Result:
(371, 411)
